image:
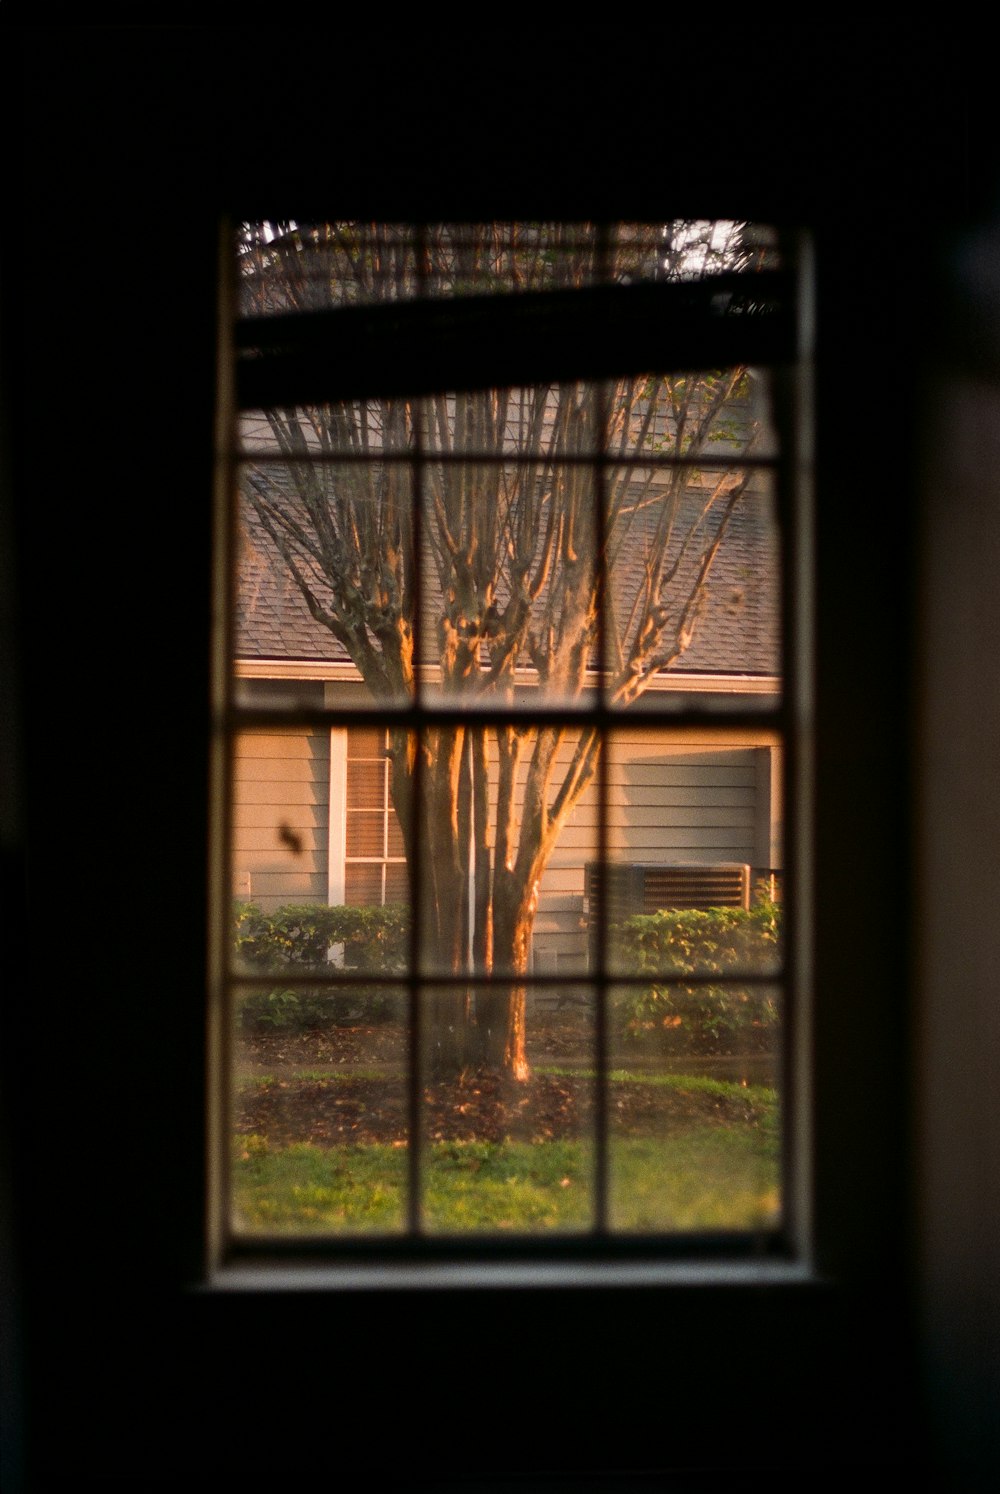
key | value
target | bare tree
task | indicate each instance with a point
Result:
(514, 560)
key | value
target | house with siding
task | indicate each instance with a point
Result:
(692, 819)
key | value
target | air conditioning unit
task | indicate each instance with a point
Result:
(647, 889)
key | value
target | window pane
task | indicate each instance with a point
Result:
(363, 883)
(694, 591)
(280, 816)
(320, 1129)
(486, 904)
(365, 743)
(397, 883)
(693, 1110)
(365, 833)
(365, 784)
(395, 845)
(325, 562)
(504, 1159)
(694, 845)
(510, 599)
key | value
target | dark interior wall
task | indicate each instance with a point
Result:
(958, 936)
(134, 140)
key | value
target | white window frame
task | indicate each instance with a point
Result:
(337, 827)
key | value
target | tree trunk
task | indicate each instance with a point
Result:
(501, 1011)
(478, 905)
(501, 1025)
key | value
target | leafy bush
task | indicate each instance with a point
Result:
(300, 936)
(700, 1018)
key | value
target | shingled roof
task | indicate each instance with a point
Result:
(737, 629)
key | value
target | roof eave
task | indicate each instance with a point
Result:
(700, 682)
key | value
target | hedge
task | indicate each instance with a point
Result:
(704, 1018)
(299, 936)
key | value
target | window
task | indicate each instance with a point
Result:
(374, 858)
(519, 500)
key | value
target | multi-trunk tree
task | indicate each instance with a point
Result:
(538, 569)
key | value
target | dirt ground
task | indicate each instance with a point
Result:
(555, 1037)
(294, 1100)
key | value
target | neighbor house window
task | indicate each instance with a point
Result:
(374, 858)
(520, 501)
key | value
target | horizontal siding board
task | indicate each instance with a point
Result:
(681, 795)
(659, 840)
(280, 794)
(558, 909)
(669, 795)
(726, 775)
(277, 856)
(557, 958)
(675, 764)
(644, 782)
(309, 864)
(553, 935)
(260, 840)
(566, 910)
(265, 904)
(277, 769)
(562, 877)
(302, 818)
(303, 746)
(560, 953)
(565, 941)
(560, 920)
(284, 886)
(306, 885)
(585, 820)
(637, 844)
(578, 842)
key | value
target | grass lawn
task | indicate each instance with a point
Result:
(708, 1178)
(711, 1174)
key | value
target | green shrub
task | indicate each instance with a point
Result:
(679, 1017)
(374, 942)
(300, 934)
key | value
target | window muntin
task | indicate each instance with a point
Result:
(597, 459)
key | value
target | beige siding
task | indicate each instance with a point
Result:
(668, 801)
(281, 807)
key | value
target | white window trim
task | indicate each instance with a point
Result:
(337, 832)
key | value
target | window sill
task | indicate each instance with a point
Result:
(264, 1276)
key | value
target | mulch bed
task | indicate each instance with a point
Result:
(288, 1108)
(555, 1038)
